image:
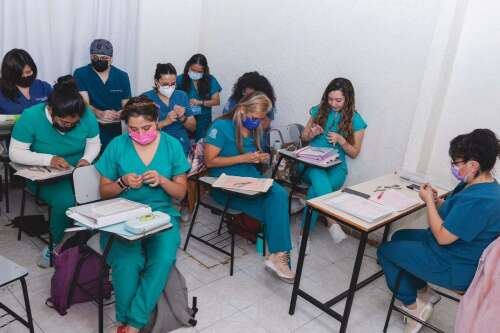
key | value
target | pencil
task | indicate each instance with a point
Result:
(379, 196)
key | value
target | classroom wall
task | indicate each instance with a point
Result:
(301, 45)
(169, 31)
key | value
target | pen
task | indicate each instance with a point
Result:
(379, 196)
(46, 168)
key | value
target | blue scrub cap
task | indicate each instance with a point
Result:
(101, 46)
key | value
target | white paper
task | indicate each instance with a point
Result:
(243, 183)
(395, 200)
(39, 172)
(361, 208)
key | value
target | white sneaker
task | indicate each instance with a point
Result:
(308, 245)
(277, 263)
(44, 258)
(423, 312)
(338, 235)
(430, 296)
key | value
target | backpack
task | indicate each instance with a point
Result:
(172, 310)
(245, 226)
(72, 256)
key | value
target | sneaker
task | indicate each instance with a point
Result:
(277, 263)
(338, 235)
(308, 245)
(185, 216)
(429, 296)
(423, 312)
(44, 259)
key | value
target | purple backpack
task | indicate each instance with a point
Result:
(64, 288)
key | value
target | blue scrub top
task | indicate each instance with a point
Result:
(104, 96)
(222, 135)
(39, 92)
(231, 103)
(175, 129)
(332, 125)
(193, 93)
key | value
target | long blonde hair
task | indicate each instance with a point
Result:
(255, 102)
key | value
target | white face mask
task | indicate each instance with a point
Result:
(195, 75)
(166, 91)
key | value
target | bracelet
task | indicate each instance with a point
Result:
(122, 184)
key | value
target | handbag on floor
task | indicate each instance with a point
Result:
(72, 256)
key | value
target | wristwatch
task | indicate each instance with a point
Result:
(122, 184)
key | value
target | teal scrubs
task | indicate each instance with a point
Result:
(140, 269)
(470, 213)
(202, 114)
(104, 96)
(326, 181)
(44, 138)
(271, 208)
(176, 129)
(39, 92)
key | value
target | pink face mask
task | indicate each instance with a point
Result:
(143, 138)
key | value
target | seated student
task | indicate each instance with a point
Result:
(19, 87)
(203, 91)
(334, 123)
(104, 88)
(176, 117)
(59, 134)
(247, 84)
(460, 228)
(147, 166)
(232, 147)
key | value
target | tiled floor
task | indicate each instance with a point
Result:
(250, 301)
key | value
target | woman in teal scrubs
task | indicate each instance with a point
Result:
(203, 92)
(59, 134)
(232, 146)
(148, 166)
(176, 117)
(334, 123)
(460, 228)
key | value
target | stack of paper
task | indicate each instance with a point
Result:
(243, 183)
(361, 208)
(395, 200)
(39, 172)
(103, 213)
(412, 177)
(316, 153)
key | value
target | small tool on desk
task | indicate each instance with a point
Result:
(382, 188)
(354, 192)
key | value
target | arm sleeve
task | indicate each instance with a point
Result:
(180, 164)
(358, 122)
(214, 86)
(80, 82)
(107, 164)
(92, 149)
(466, 219)
(216, 135)
(93, 126)
(19, 152)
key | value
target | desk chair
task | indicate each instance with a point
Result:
(393, 307)
(11, 272)
(215, 239)
(86, 189)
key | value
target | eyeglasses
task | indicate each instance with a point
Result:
(100, 58)
(456, 163)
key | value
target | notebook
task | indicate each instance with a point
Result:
(103, 213)
(243, 183)
(395, 200)
(39, 172)
(317, 153)
(361, 208)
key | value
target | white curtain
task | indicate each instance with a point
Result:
(58, 33)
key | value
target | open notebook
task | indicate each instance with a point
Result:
(361, 208)
(39, 172)
(108, 212)
(243, 183)
(395, 200)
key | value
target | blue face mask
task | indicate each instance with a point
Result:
(250, 123)
(195, 76)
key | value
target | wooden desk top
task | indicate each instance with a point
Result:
(368, 187)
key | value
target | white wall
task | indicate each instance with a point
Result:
(301, 45)
(169, 32)
(472, 97)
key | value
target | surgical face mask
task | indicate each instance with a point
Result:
(250, 123)
(100, 65)
(195, 76)
(145, 137)
(166, 91)
(26, 81)
(455, 171)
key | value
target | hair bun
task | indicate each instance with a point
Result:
(65, 82)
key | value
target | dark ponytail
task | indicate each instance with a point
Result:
(65, 100)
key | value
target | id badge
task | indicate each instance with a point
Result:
(196, 110)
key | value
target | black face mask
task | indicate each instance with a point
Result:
(63, 129)
(100, 65)
(26, 81)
